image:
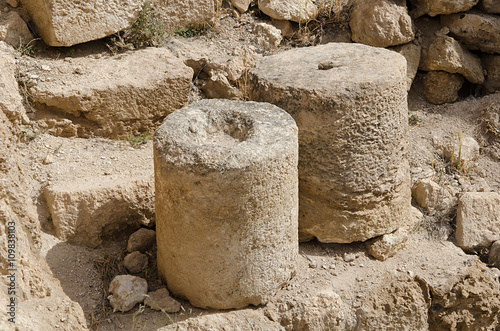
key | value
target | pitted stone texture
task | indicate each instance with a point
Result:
(299, 11)
(478, 219)
(438, 7)
(350, 114)
(70, 22)
(412, 53)
(387, 245)
(127, 291)
(490, 6)
(447, 54)
(85, 210)
(227, 202)
(442, 87)
(381, 23)
(185, 13)
(113, 97)
(477, 30)
(13, 30)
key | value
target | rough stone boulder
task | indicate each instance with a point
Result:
(447, 54)
(381, 23)
(478, 219)
(241, 5)
(299, 11)
(438, 7)
(85, 210)
(433, 197)
(177, 14)
(490, 6)
(491, 64)
(226, 188)
(349, 102)
(13, 30)
(70, 22)
(412, 53)
(477, 30)
(442, 87)
(241, 320)
(161, 300)
(114, 96)
(127, 291)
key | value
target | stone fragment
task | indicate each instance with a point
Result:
(70, 22)
(241, 5)
(491, 64)
(476, 30)
(13, 3)
(13, 30)
(387, 245)
(411, 52)
(177, 14)
(284, 26)
(494, 256)
(459, 150)
(300, 11)
(226, 191)
(349, 102)
(399, 303)
(219, 87)
(268, 36)
(439, 7)
(135, 262)
(490, 6)
(433, 197)
(118, 96)
(161, 300)
(381, 23)
(241, 320)
(11, 103)
(321, 310)
(478, 219)
(442, 87)
(141, 240)
(447, 54)
(87, 209)
(127, 291)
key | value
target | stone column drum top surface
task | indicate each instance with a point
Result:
(349, 102)
(226, 185)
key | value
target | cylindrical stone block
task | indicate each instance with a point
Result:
(350, 104)
(226, 184)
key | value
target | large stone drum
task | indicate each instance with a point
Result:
(350, 104)
(226, 184)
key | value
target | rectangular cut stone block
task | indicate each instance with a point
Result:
(70, 22)
(478, 219)
(185, 13)
(85, 210)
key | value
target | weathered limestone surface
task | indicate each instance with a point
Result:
(161, 300)
(387, 245)
(433, 197)
(70, 22)
(226, 202)
(185, 13)
(477, 30)
(478, 219)
(381, 23)
(85, 210)
(438, 7)
(349, 102)
(13, 30)
(442, 87)
(412, 53)
(127, 291)
(241, 5)
(490, 6)
(112, 96)
(299, 11)
(447, 54)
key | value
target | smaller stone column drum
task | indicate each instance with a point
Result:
(349, 102)
(226, 184)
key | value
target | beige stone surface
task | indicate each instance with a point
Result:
(241, 5)
(87, 209)
(70, 22)
(177, 14)
(387, 245)
(241, 320)
(433, 197)
(285, 27)
(135, 262)
(226, 202)
(447, 54)
(412, 54)
(494, 255)
(438, 7)
(477, 30)
(13, 30)
(348, 115)
(127, 291)
(268, 36)
(490, 6)
(381, 23)
(300, 11)
(161, 300)
(478, 219)
(491, 64)
(11, 103)
(110, 96)
(459, 149)
(141, 240)
(442, 87)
